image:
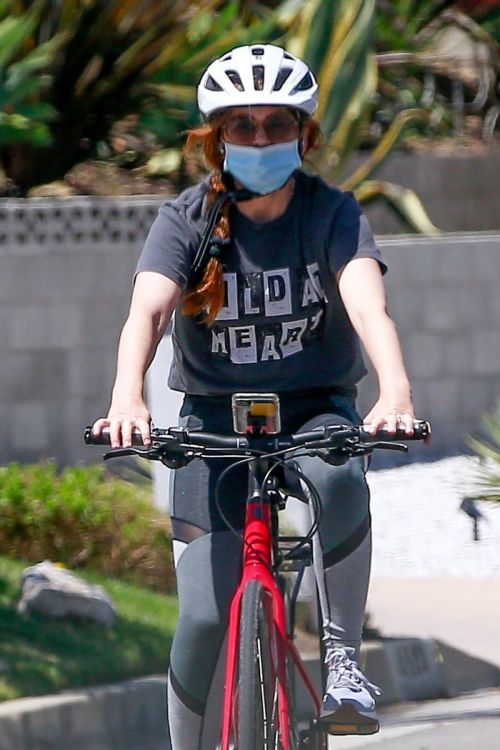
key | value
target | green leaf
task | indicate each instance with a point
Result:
(14, 30)
(488, 448)
(200, 26)
(41, 111)
(13, 92)
(350, 128)
(173, 91)
(346, 64)
(18, 129)
(385, 146)
(405, 201)
(229, 14)
(164, 162)
(5, 7)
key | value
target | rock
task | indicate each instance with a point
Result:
(104, 178)
(56, 592)
(57, 189)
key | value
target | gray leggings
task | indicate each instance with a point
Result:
(208, 555)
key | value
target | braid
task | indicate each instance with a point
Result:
(207, 298)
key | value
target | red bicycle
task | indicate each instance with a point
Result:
(262, 663)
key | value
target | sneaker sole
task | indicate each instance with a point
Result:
(346, 720)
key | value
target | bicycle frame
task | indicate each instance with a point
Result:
(257, 565)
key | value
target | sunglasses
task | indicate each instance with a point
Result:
(278, 127)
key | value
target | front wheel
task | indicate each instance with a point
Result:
(259, 654)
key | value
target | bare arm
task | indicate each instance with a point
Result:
(153, 302)
(362, 291)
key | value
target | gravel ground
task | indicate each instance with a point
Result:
(419, 529)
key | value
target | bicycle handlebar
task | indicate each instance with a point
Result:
(177, 446)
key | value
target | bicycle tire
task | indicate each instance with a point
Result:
(257, 697)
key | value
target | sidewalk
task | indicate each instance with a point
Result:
(441, 636)
(463, 613)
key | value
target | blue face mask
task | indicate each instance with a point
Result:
(262, 169)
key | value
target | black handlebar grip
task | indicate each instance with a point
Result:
(91, 439)
(104, 438)
(421, 431)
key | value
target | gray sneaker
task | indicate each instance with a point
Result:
(349, 703)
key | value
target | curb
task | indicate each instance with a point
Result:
(124, 716)
(131, 715)
(405, 669)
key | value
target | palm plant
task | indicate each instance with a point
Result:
(337, 40)
(372, 58)
(488, 449)
(114, 58)
(116, 79)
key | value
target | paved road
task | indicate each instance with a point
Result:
(455, 724)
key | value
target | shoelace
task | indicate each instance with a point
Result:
(344, 672)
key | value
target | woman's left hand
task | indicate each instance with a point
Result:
(390, 416)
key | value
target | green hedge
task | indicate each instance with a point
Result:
(84, 519)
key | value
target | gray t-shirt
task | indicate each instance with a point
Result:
(283, 326)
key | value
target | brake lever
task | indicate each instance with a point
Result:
(386, 445)
(151, 453)
(154, 453)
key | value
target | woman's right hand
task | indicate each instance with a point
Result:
(122, 420)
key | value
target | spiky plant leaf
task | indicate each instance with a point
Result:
(405, 201)
(488, 449)
(385, 146)
(17, 128)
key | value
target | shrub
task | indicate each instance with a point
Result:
(83, 519)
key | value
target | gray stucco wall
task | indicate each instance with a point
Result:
(65, 271)
(458, 187)
(65, 279)
(444, 296)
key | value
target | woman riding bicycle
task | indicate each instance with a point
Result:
(290, 286)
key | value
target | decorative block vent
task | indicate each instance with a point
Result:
(76, 221)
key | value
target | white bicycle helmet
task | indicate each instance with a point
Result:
(257, 74)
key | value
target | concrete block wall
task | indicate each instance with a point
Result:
(444, 296)
(65, 283)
